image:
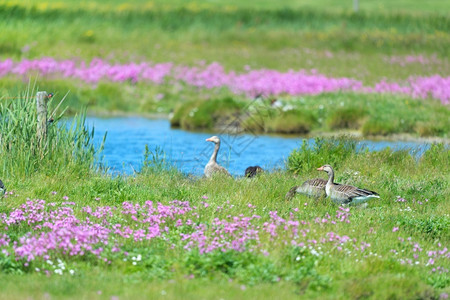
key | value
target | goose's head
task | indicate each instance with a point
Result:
(326, 168)
(214, 139)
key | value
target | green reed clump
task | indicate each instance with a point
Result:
(324, 151)
(65, 147)
(156, 162)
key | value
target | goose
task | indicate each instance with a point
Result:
(313, 188)
(2, 188)
(345, 194)
(212, 166)
(253, 171)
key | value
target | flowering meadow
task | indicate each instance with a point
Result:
(213, 76)
(222, 233)
(176, 232)
(39, 232)
(71, 230)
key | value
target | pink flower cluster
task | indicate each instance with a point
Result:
(250, 82)
(39, 231)
(52, 229)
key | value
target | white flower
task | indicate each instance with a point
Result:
(58, 271)
(71, 272)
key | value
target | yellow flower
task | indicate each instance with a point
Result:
(124, 7)
(89, 33)
(42, 6)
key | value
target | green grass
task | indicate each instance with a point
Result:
(66, 147)
(206, 114)
(234, 34)
(370, 115)
(335, 276)
(230, 37)
(286, 271)
(282, 36)
(411, 6)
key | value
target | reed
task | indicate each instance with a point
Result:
(68, 146)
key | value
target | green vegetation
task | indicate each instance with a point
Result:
(292, 38)
(387, 254)
(283, 35)
(347, 117)
(65, 150)
(420, 217)
(312, 114)
(206, 114)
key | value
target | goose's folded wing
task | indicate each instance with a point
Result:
(350, 192)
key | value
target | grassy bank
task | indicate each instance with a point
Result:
(370, 115)
(161, 233)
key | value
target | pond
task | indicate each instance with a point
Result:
(189, 152)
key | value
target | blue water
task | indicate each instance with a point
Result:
(188, 151)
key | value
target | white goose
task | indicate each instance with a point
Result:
(212, 166)
(345, 194)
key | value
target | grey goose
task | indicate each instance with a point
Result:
(345, 194)
(212, 167)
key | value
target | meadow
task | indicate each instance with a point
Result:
(72, 230)
(150, 57)
(161, 233)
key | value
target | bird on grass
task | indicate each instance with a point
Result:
(313, 188)
(212, 167)
(253, 171)
(2, 188)
(345, 194)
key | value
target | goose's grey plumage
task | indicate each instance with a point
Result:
(2, 188)
(212, 167)
(313, 188)
(345, 194)
(253, 171)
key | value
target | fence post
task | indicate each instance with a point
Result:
(355, 5)
(41, 108)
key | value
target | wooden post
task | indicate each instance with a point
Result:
(41, 105)
(355, 5)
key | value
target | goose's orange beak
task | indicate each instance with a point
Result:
(320, 169)
(209, 140)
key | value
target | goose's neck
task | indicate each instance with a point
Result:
(214, 155)
(330, 177)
